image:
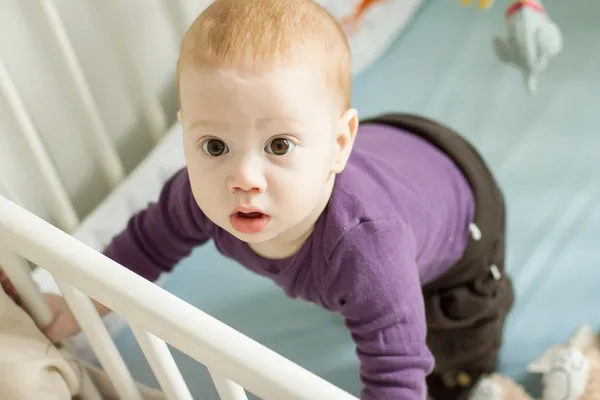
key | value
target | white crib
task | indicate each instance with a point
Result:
(68, 250)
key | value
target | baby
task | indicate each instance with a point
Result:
(397, 225)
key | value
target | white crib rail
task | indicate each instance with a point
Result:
(100, 340)
(162, 364)
(104, 149)
(34, 302)
(176, 15)
(109, 158)
(149, 103)
(62, 209)
(233, 359)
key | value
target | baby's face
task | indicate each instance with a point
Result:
(260, 148)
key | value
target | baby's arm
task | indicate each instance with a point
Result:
(154, 240)
(163, 233)
(374, 282)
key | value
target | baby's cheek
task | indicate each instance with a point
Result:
(300, 189)
(207, 190)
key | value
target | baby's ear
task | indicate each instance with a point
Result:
(345, 135)
(349, 121)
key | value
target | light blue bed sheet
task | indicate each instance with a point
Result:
(545, 151)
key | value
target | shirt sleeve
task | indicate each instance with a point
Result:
(373, 281)
(163, 233)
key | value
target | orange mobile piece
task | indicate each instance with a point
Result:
(359, 12)
(483, 4)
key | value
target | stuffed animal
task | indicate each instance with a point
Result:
(352, 22)
(498, 387)
(569, 372)
(532, 40)
(32, 367)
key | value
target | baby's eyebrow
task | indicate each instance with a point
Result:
(208, 123)
(283, 121)
(280, 118)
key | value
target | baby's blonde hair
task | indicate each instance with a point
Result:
(259, 34)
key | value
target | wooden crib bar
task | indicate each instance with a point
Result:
(149, 103)
(103, 144)
(62, 208)
(163, 365)
(34, 303)
(227, 389)
(107, 353)
(225, 351)
(155, 350)
(174, 11)
(234, 361)
(32, 300)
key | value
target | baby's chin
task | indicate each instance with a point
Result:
(268, 233)
(253, 238)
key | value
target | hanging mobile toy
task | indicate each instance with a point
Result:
(483, 4)
(532, 39)
(352, 22)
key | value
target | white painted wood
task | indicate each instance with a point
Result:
(148, 101)
(163, 365)
(17, 270)
(174, 11)
(103, 145)
(227, 389)
(62, 208)
(107, 353)
(149, 307)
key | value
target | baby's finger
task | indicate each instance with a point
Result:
(6, 283)
(8, 287)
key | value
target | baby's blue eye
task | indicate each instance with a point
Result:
(214, 147)
(279, 146)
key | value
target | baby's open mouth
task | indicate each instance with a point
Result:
(249, 222)
(250, 215)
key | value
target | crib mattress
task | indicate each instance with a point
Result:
(544, 150)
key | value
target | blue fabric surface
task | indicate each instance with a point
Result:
(544, 149)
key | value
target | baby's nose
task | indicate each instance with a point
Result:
(248, 177)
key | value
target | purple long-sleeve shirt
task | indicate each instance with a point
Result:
(398, 218)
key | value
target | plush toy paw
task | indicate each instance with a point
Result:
(570, 371)
(498, 387)
(567, 376)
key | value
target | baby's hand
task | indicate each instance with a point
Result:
(64, 324)
(7, 286)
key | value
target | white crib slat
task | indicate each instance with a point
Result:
(5, 188)
(62, 209)
(107, 153)
(150, 103)
(35, 304)
(17, 270)
(89, 391)
(101, 342)
(227, 389)
(175, 12)
(163, 365)
(260, 370)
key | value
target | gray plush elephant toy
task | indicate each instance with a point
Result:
(532, 40)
